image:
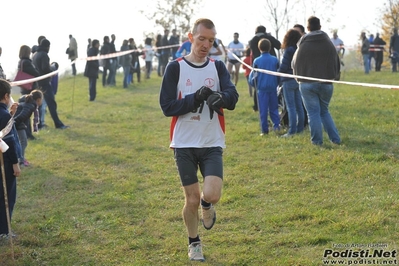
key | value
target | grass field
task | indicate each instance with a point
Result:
(106, 191)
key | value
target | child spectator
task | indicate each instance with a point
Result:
(11, 166)
(28, 105)
(266, 86)
(248, 60)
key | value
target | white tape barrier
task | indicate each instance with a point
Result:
(381, 86)
(117, 54)
(106, 56)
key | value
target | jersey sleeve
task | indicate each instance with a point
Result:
(171, 103)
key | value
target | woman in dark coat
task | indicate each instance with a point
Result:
(91, 69)
(27, 66)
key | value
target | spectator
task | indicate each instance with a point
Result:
(28, 105)
(184, 49)
(365, 50)
(125, 61)
(106, 49)
(292, 95)
(266, 86)
(300, 28)
(148, 56)
(26, 64)
(394, 49)
(11, 165)
(158, 45)
(42, 63)
(165, 51)
(54, 78)
(339, 46)
(248, 61)
(88, 44)
(314, 50)
(371, 50)
(92, 68)
(379, 51)
(113, 63)
(135, 63)
(174, 41)
(260, 33)
(73, 52)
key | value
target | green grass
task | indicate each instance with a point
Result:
(106, 191)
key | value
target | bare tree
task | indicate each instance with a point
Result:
(173, 14)
(281, 14)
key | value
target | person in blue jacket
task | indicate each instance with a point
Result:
(292, 95)
(11, 165)
(266, 86)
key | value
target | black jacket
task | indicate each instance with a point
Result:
(29, 68)
(316, 57)
(105, 49)
(23, 113)
(91, 69)
(253, 44)
(42, 64)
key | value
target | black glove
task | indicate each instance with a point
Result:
(202, 94)
(215, 102)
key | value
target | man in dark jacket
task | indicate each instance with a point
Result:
(260, 33)
(41, 61)
(379, 49)
(394, 49)
(106, 49)
(91, 69)
(316, 57)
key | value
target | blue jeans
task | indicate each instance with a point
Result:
(51, 104)
(112, 71)
(92, 88)
(316, 97)
(268, 104)
(126, 73)
(293, 100)
(366, 63)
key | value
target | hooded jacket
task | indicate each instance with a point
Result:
(316, 57)
(41, 61)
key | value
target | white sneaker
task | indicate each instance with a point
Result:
(195, 251)
(208, 217)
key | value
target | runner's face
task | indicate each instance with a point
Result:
(202, 41)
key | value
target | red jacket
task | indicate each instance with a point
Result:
(247, 60)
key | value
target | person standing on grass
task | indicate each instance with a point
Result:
(92, 68)
(41, 61)
(266, 86)
(248, 62)
(379, 53)
(292, 95)
(193, 88)
(365, 50)
(28, 105)
(11, 165)
(260, 33)
(73, 52)
(314, 50)
(394, 49)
